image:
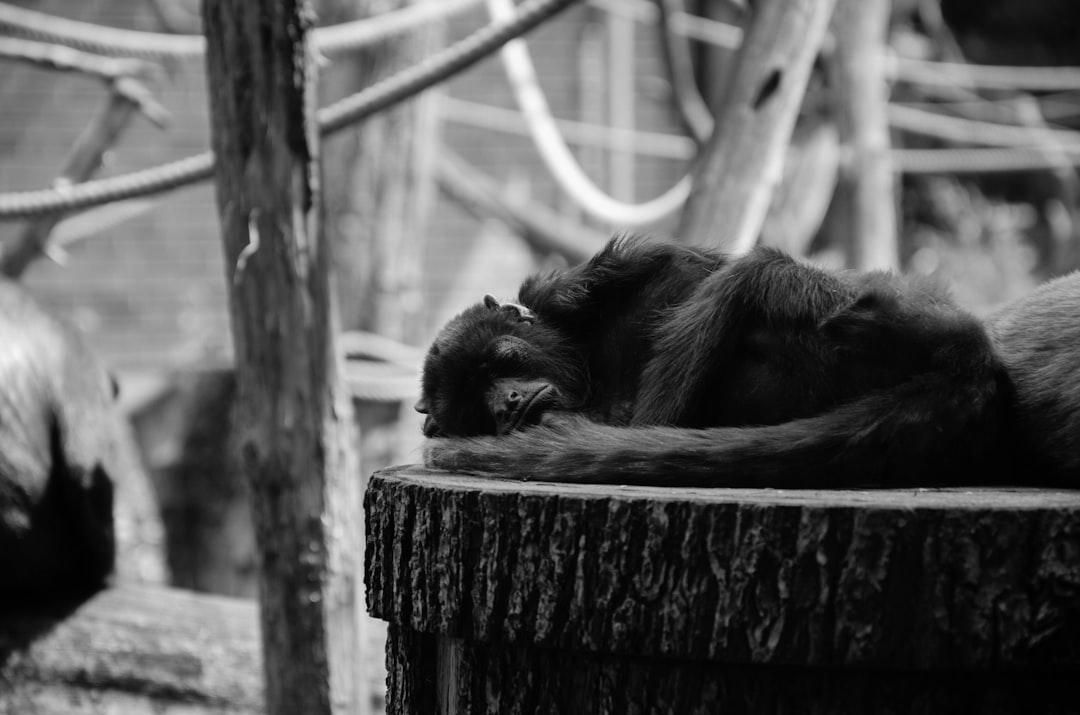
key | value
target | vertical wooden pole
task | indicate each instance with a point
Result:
(294, 418)
(866, 192)
(744, 159)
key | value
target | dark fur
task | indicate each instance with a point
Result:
(682, 366)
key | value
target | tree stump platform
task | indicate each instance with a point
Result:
(518, 597)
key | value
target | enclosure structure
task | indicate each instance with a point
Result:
(516, 597)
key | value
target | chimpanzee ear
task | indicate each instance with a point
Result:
(523, 314)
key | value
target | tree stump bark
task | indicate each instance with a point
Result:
(513, 597)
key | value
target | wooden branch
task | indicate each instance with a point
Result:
(128, 94)
(176, 17)
(544, 230)
(801, 202)
(743, 163)
(81, 164)
(866, 192)
(134, 649)
(294, 414)
(527, 597)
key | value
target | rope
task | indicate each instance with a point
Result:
(986, 76)
(916, 71)
(114, 41)
(695, 27)
(974, 131)
(558, 158)
(983, 160)
(379, 382)
(361, 345)
(510, 121)
(27, 204)
(349, 36)
(439, 66)
(371, 100)
(671, 146)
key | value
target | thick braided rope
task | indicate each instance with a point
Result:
(373, 99)
(439, 66)
(114, 41)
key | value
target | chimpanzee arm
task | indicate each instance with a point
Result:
(626, 267)
(704, 338)
(929, 431)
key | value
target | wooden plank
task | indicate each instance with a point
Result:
(133, 649)
(294, 415)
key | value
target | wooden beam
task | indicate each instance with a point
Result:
(866, 192)
(294, 417)
(133, 649)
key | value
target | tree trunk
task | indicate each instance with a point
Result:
(378, 180)
(744, 159)
(294, 417)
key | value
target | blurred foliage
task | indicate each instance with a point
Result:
(977, 244)
(992, 236)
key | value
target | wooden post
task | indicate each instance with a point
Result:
(294, 417)
(866, 193)
(513, 597)
(744, 159)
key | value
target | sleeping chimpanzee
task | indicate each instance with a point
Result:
(60, 449)
(656, 363)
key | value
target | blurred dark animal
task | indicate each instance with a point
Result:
(62, 446)
(186, 433)
(1037, 339)
(655, 363)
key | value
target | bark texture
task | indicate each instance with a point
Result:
(672, 600)
(294, 416)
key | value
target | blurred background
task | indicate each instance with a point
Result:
(438, 201)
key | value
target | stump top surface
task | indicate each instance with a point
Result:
(937, 579)
(981, 498)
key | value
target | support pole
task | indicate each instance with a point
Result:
(294, 417)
